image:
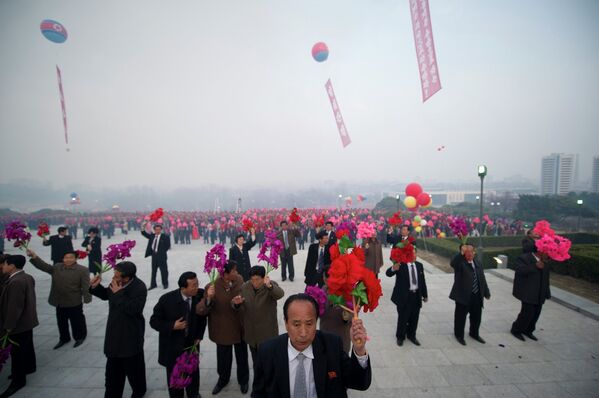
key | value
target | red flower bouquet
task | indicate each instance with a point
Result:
(247, 224)
(81, 254)
(157, 214)
(396, 220)
(43, 230)
(294, 217)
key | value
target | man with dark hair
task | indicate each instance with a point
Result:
(59, 244)
(259, 309)
(468, 290)
(93, 246)
(404, 234)
(124, 340)
(179, 327)
(158, 245)
(330, 231)
(318, 260)
(18, 317)
(305, 362)
(531, 287)
(528, 243)
(68, 291)
(408, 294)
(239, 253)
(220, 303)
(288, 238)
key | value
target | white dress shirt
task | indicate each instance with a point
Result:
(156, 243)
(309, 354)
(413, 281)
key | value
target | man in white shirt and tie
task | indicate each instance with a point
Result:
(408, 294)
(306, 363)
(158, 245)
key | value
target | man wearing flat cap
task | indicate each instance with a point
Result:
(124, 340)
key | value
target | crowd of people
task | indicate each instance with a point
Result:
(240, 307)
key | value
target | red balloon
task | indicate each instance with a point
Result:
(423, 199)
(413, 189)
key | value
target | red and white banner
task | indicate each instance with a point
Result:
(425, 48)
(345, 140)
(64, 110)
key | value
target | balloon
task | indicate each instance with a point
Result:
(442, 235)
(53, 31)
(418, 228)
(410, 202)
(417, 219)
(423, 199)
(413, 189)
(430, 224)
(320, 52)
(415, 224)
(423, 223)
(407, 222)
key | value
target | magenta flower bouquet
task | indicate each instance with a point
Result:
(275, 246)
(320, 296)
(5, 348)
(555, 247)
(214, 264)
(366, 230)
(187, 363)
(18, 232)
(459, 228)
(114, 253)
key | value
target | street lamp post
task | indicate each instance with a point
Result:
(340, 197)
(579, 202)
(397, 199)
(482, 172)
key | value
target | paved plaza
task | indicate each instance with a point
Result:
(563, 363)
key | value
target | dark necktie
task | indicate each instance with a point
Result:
(474, 280)
(187, 315)
(321, 260)
(413, 272)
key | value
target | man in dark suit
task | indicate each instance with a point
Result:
(18, 317)
(330, 231)
(179, 328)
(93, 246)
(288, 238)
(59, 244)
(158, 245)
(394, 239)
(124, 339)
(305, 362)
(239, 253)
(408, 294)
(531, 287)
(318, 260)
(469, 288)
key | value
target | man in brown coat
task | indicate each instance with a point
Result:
(373, 251)
(68, 292)
(18, 317)
(259, 309)
(288, 238)
(219, 304)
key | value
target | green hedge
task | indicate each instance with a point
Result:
(516, 240)
(584, 262)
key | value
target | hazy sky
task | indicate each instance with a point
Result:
(185, 93)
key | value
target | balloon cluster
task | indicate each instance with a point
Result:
(416, 197)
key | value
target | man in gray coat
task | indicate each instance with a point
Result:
(68, 292)
(18, 317)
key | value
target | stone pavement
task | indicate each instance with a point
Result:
(562, 364)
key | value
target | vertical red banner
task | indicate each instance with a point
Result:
(425, 48)
(345, 140)
(64, 110)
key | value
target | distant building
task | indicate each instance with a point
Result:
(559, 173)
(595, 178)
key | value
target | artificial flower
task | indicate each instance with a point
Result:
(157, 214)
(18, 232)
(43, 230)
(320, 296)
(215, 261)
(275, 246)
